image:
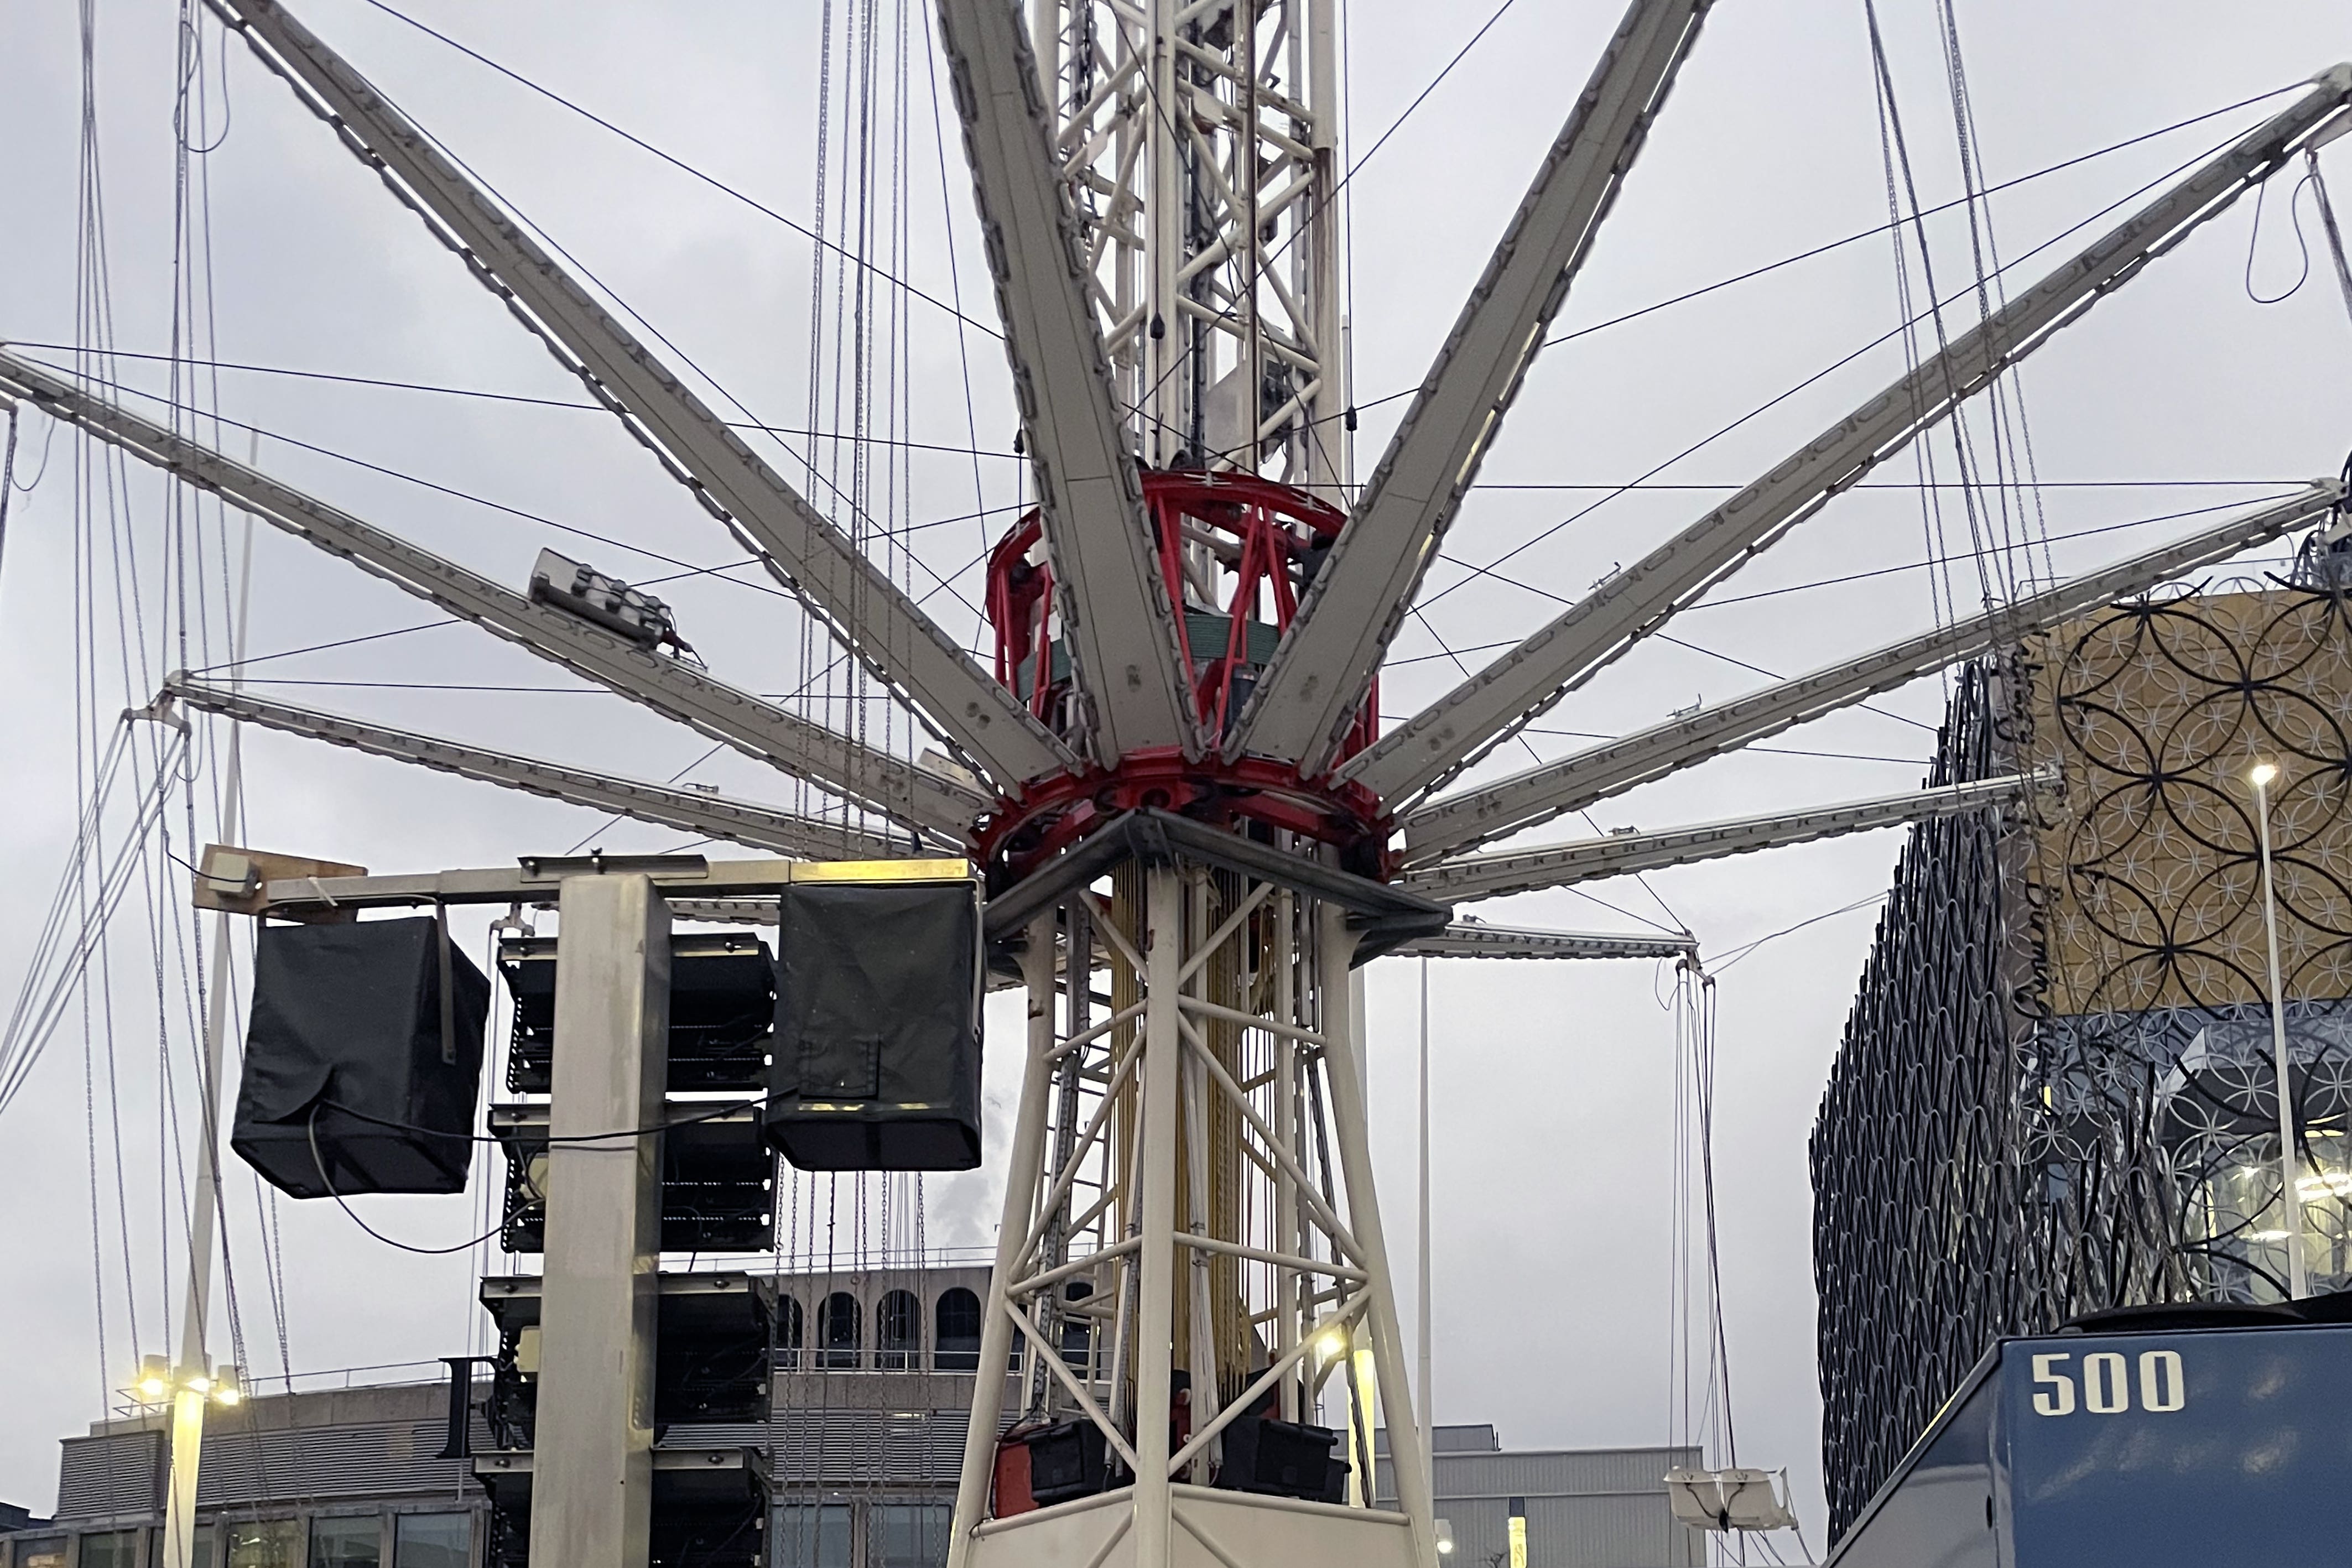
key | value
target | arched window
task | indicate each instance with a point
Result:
(955, 1339)
(790, 1325)
(899, 1332)
(836, 1331)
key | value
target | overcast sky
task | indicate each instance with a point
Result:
(1554, 1098)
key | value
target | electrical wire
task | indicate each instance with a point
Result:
(683, 166)
(1474, 570)
(311, 1128)
(7, 485)
(487, 395)
(1874, 232)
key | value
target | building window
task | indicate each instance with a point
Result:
(899, 1332)
(908, 1534)
(349, 1541)
(1077, 1331)
(836, 1329)
(811, 1535)
(42, 1552)
(955, 1340)
(264, 1544)
(789, 1324)
(114, 1549)
(432, 1540)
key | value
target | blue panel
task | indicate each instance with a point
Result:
(1937, 1509)
(2221, 1448)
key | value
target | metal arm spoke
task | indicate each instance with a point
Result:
(1457, 823)
(914, 795)
(1459, 728)
(870, 614)
(690, 811)
(1116, 616)
(1319, 674)
(1559, 865)
(1476, 939)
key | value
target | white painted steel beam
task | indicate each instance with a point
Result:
(1474, 939)
(916, 795)
(1310, 694)
(1559, 865)
(868, 613)
(1116, 617)
(1454, 824)
(689, 810)
(1490, 705)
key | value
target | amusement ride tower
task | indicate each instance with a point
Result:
(1193, 825)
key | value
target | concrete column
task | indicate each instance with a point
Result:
(592, 1487)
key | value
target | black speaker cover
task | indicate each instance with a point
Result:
(1066, 1461)
(876, 1058)
(1283, 1458)
(350, 1016)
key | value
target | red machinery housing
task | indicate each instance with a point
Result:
(1236, 553)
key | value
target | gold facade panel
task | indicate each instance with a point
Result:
(2154, 713)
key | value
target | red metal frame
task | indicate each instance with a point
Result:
(1264, 538)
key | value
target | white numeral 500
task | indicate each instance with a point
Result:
(2106, 1383)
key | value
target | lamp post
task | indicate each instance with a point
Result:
(1428, 1403)
(2262, 776)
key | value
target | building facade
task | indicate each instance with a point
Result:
(1583, 1507)
(2055, 1092)
(872, 1373)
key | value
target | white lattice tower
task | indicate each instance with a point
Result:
(1201, 142)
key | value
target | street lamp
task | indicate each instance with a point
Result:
(2262, 776)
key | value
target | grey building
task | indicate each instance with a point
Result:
(325, 1478)
(1585, 1507)
(873, 1373)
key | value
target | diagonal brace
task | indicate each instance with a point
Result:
(860, 605)
(1454, 823)
(916, 797)
(1491, 706)
(688, 810)
(1562, 865)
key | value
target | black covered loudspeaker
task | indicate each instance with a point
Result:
(1282, 1458)
(1066, 1461)
(346, 1047)
(876, 1054)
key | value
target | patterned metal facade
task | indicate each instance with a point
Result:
(2056, 1090)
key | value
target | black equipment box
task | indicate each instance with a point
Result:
(718, 1178)
(877, 1060)
(722, 1010)
(348, 1048)
(1283, 1458)
(1066, 1461)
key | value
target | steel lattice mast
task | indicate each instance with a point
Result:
(1188, 635)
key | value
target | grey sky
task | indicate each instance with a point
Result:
(1554, 1093)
